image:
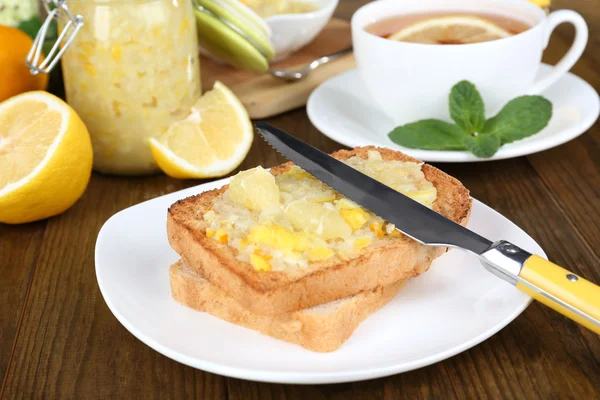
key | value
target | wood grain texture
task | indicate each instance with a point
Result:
(59, 340)
(19, 250)
(575, 185)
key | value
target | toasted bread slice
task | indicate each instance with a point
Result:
(276, 292)
(321, 328)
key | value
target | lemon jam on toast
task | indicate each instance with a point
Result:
(293, 219)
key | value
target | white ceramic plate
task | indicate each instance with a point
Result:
(342, 109)
(454, 306)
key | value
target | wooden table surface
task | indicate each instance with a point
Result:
(58, 338)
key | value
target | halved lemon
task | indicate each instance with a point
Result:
(212, 141)
(451, 30)
(45, 157)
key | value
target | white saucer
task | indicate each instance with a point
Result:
(342, 109)
(454, 306)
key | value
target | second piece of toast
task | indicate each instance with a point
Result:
(276, 292)
(322, 328)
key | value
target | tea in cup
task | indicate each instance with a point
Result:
(410, 53)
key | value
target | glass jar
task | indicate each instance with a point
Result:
(130, 71)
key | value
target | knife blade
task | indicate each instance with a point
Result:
(410, 217)
(548, 283)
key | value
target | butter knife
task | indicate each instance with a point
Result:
(548, 283)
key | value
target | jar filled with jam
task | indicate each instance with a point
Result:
(130, 68)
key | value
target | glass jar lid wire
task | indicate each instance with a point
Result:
(68, 33)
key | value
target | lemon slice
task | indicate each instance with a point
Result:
(451, 30)
(254, 189)
(541, 3)
(212, 141)
(45, 157)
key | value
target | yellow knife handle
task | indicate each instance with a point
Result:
(561, 290)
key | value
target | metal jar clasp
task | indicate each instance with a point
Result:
(74, 24)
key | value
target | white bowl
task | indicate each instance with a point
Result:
(291, 32)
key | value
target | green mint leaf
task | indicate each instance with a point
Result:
(483, 145)
(52, 32)
(429, 134)
(31, 26)
(519, 118)
(466, 107)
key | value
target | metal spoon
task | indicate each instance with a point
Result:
(303, 72)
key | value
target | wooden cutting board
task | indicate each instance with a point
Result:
(265, 96)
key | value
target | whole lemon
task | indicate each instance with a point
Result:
(14, 74)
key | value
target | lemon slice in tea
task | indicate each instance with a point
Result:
(451, 30)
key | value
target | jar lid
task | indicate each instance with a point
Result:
(234, 33)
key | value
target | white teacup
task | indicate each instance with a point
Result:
(411, 81)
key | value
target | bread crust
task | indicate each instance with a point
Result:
(276, 292)
(321, 329)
